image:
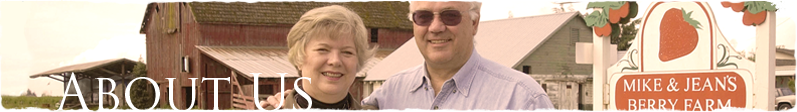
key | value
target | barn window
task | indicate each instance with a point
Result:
(574, 34)
(545, 87)
(374, 35)
(526, 69)
(265, 89)
(184, 64)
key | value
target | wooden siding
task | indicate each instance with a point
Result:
(559, 51)
(165, 51)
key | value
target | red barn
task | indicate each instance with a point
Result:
(220, 40)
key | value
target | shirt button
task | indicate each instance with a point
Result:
(426, 88)
(455, 91)
(435, 107)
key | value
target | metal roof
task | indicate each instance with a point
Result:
(402, 58)
(101, 67)
(785, 51)
(505, 41)
(381, 14)
(787, 70)
(265, 60)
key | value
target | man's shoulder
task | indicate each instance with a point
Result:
(406, 73)
(498, 70)
(522, 80)
(403, 78)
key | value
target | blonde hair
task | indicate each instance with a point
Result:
(331, 20)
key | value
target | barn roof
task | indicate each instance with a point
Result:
(102, 68)
(785, 51)
(388, 15)
(265, 60)
(505, 41)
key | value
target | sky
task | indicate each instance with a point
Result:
(40, 36)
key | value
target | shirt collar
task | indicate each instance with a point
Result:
(462, 79)
(419, 80)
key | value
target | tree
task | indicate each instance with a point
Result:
(791, 84)
(141, 96)
(627, 33)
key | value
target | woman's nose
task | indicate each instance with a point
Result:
(334, 59)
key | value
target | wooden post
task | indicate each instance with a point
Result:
(600, 64)
(765, 64)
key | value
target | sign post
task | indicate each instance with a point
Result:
(600, 63)
(680, 60)
(765, 63)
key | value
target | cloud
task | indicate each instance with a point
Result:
(125, 46)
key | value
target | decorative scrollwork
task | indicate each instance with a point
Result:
(723, 62)
(631, 64)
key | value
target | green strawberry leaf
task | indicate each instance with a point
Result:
(617, 5)
(596, 5)
(757, 6)
(605, 5)
(688, 19)
(596, 18)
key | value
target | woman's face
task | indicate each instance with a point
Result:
(331, 64)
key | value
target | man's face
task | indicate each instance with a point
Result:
(443, 31)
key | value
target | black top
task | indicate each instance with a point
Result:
(341, 105)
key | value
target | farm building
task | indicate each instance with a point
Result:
(219, 40)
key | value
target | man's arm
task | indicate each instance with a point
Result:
(371, 102)
(273, 101)
(540, 102)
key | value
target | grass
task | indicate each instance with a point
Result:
(49, 102)
(22, 102)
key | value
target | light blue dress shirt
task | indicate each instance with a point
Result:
(480, 84)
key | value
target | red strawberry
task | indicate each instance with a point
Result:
(737, 7)
(678, 34)
(603, 31)
(616, 15)
(753, 19)
(726, 4)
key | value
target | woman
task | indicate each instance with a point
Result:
(328, 45)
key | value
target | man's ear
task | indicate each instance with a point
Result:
(475, 26)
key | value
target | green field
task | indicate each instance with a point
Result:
(49, 102)
(21, 102)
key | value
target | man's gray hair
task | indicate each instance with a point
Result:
(475, 8)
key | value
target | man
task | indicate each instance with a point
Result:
(454, 75)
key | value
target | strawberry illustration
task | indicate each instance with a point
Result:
(606, 30)
(678, 34)
(615, 15)
(753, 19)
(736, 5)
(748, 7)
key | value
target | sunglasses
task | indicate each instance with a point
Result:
(425, 18)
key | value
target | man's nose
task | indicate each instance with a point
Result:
(437, 25)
